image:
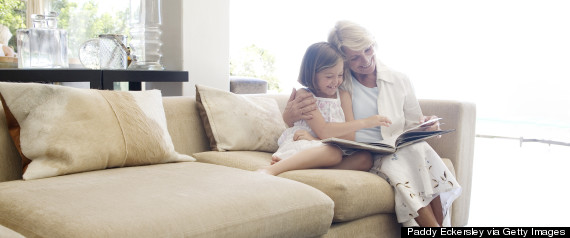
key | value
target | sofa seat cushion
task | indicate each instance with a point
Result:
(356, 194)
(166, 200)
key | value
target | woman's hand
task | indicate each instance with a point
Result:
(303, 135)
(377, 120)
(434, 126)
(299, 106)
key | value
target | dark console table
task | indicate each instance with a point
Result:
(98, 79)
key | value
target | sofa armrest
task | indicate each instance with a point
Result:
(457, 146)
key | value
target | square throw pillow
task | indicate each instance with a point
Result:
(62, 130)
(238, 122)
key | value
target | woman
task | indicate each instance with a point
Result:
(424, 187)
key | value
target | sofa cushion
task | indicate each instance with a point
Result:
(61, 130)
(238, 122)
(165, 200)
(377, 226)
(356, 194)
(248, 160)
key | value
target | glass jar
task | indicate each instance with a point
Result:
(43, 46)
(112, 51)
(144, 27)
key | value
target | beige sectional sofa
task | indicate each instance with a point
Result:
(218, 195)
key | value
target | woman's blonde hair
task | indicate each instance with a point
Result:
(350, 35)
(318, 57)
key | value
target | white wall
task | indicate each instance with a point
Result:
(206, 44)
(195, 39)
(172, 34)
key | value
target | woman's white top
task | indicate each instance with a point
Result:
(396, 100)
(364, 105)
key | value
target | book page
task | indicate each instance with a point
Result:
(423, 125)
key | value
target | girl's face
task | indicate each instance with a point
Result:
(328, 80)
(361, 62)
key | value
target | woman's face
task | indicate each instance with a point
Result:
(328, 80)
(361, 62)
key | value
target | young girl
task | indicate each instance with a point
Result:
(299, 146)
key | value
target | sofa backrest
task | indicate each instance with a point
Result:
(183, 120)
(185, 124)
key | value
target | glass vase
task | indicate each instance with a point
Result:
(144, 28)
(43, 46)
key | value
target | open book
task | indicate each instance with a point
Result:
(390, 145)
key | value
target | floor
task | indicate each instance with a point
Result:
(516, 185)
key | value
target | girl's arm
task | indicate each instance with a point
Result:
(346, 104)
(333, 129)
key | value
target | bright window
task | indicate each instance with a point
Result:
(509, 57)
(83, 19)
(86, 19)
(12, 17)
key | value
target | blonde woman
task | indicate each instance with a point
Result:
(424, 187)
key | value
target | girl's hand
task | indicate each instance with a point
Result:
(299, 106)
(377, 120)
(303, 135)
(432, 126)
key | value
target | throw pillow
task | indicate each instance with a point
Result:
(239, 122)
(62, 130)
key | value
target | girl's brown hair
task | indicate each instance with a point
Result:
(318, 57)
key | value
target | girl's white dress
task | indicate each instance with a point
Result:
(331, 110)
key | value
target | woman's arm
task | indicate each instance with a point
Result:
(412, 110)
(325, 129)
(299, 107)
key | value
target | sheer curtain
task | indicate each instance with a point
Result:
(34, 7)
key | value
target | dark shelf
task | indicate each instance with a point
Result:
(98, 79)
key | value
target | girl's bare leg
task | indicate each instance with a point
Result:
(361, 160)
(322, 156)
(426, 217)
(437, 210)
